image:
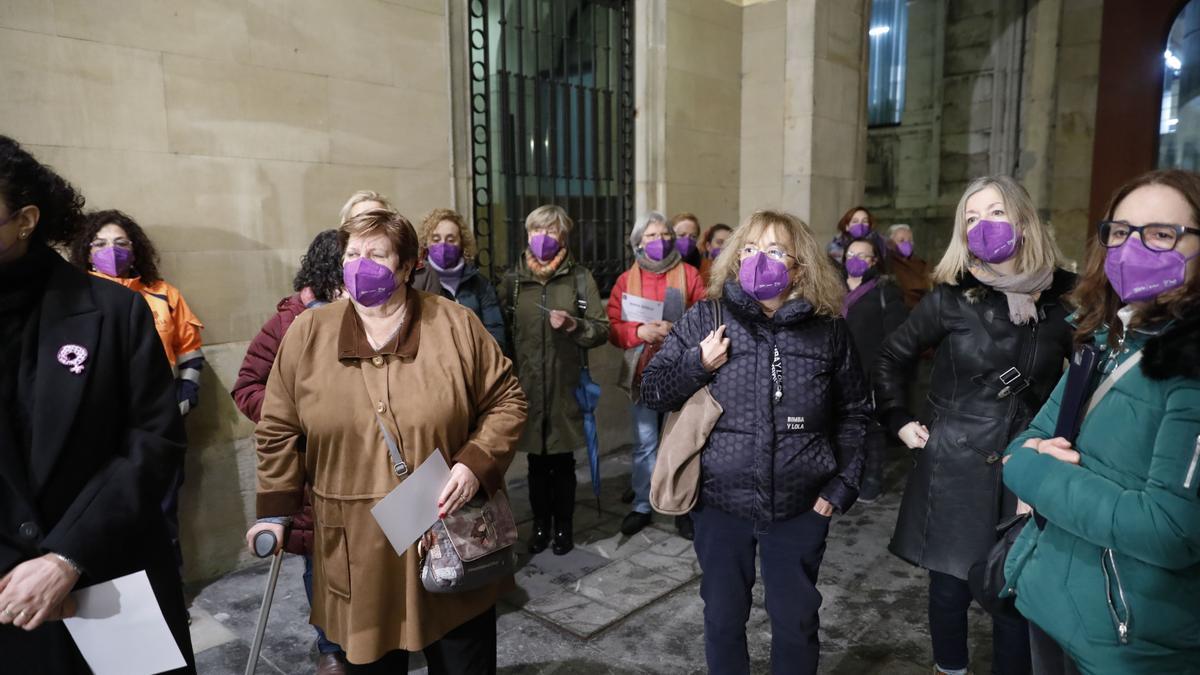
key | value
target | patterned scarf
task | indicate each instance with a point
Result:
(544, 270)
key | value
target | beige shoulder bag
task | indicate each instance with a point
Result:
(675, 483)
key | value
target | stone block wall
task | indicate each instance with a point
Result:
(233, 131)
(959, 121)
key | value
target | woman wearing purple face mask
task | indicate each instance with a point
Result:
(658, 274)
(89, 430)
(911, 270)
(362, 392)
(873, 308)
(448, 245)
(686, 228)
(712, 242)
(554, 313)
(997, 320)
(787, 452)
(856, 223)
(114, 246)
(1109, 585)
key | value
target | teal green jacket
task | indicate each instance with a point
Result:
(1123, 524)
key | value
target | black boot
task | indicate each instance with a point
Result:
(563, 481)
(540, 501)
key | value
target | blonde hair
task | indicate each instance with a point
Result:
(1038, 248)
(360, 197)
(550, 216)
(819, 282)
(465, 234)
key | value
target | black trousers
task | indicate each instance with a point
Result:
(949, 600)
(1048, 657)
(790, 554)
(469, 649)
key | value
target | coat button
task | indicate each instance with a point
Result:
(29, 531)
(380, 407)
(377, 360)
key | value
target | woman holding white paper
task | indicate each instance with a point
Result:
(90, 431)
(392, 363)
(660, 275)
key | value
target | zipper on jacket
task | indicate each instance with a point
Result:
(1191, 472)
(1123, 617)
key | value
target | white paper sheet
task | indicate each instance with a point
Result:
(120, 630)
(637, 309)
(406, 512)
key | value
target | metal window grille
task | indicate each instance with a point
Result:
(552, 123)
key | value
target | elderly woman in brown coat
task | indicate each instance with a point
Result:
(424, 368)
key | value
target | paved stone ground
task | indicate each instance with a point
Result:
(626, 604)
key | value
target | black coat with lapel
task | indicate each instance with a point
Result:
(106, 437)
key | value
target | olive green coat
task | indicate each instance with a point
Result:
(548, 361)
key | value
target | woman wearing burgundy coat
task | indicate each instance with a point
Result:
(318, 282)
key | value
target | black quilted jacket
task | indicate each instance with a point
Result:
(768, 460)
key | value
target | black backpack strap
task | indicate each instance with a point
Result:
(581, 302)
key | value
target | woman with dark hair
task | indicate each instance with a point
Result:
(112, 246)
(318, 283)
(711, 244)
(857, 223)
(1111, 584)
(685, 227)
(364, 390)
(89, 429)
(873, 308)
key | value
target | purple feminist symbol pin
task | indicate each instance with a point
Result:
(73, 356)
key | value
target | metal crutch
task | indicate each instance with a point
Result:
(264, 544)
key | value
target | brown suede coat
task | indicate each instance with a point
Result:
(442, 383)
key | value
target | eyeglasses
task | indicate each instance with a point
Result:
(1154, 236)
(864, 256)
(774, 253)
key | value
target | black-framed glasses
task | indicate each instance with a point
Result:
(1154, 236)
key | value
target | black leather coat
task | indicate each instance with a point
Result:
(990, 377)
(768, 460)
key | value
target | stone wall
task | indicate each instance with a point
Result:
(992, 90)
(803, 111)
(233, 131)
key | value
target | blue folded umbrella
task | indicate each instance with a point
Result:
(587, 395)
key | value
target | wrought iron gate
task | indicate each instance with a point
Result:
(552, 123)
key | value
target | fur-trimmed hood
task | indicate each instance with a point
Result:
(1176, 351)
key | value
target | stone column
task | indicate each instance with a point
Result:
(821, 99)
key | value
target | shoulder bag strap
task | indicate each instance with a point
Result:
(1111, 380)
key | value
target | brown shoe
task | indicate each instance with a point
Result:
(331, 664)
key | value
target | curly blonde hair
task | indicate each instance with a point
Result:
(465, 234)
(819, 282)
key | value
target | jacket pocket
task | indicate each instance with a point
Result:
(331, 551)
(1161, 603)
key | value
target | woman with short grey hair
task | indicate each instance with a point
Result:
(658, 275)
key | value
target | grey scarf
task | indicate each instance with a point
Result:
(658, 266)
(1021, 290)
